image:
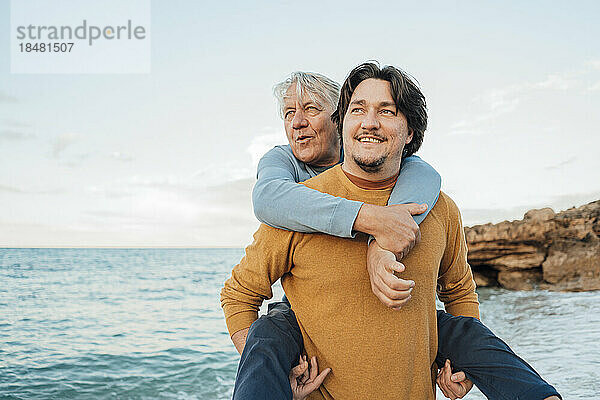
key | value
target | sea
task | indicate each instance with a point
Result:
(147, 324)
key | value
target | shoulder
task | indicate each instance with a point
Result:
(325, 180)
(267, 236)
(270, 240)
(447, 212)
(413, 159)
(447, 203)
(280, 157)
(276, 160)
(282, 152)
(414, 165)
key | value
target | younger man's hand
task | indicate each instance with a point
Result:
(389, 289)
(305, 380)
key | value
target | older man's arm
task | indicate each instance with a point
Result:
(267, 259)
(280, 202)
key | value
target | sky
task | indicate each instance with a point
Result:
(168, 158)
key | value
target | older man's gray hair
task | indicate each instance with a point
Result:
(319, 88)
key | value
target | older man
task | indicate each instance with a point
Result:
(371, 142)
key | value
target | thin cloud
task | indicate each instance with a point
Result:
(500, 102)
(61, 151)
(109, 193)
(561, 164)
(62, 142)
(593, 64)
(109, 215)
(10, 189)
(14, 135)
(75, 160)
(201, 183)
(472, 216)
(189, 213)
(595, 87)
(15, 124)
(20, 190)
(140, 186)
(116, 155)
(158, 182)
(496, 103)
(7, 99)
(556, 82)
(565, 201)
(266, 140)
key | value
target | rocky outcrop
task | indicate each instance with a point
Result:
(545, 250)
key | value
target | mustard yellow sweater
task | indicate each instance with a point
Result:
(374, 352)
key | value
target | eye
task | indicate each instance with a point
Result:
(312, 110)
(356, 110)
(388, 112)
(289, 114)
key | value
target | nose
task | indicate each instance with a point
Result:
(299, 121)
(370, 121)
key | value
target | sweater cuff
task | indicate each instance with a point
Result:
(464, 309)
(240, 320)
(344, 215)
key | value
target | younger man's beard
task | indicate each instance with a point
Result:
(370, 166)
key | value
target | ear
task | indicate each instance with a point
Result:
(409, 137)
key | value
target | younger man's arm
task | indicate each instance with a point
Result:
(418, 179)
(456, 287)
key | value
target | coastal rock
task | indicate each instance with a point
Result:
(520, 280)
(547, 250)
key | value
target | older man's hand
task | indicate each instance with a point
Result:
(305, 380)
(454, 386)
(392, 226)
(392, 291)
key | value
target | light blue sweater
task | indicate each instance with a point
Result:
(281, 203)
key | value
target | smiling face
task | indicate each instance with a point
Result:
(309, 129)
(374, 132)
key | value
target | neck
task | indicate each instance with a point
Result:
(327, 162)
(372, 185)
(333, 157)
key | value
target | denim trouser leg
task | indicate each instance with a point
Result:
(273, 346)
(487, 361)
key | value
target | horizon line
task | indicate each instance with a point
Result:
(119, 247)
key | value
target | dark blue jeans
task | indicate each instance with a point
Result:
(274, 344)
